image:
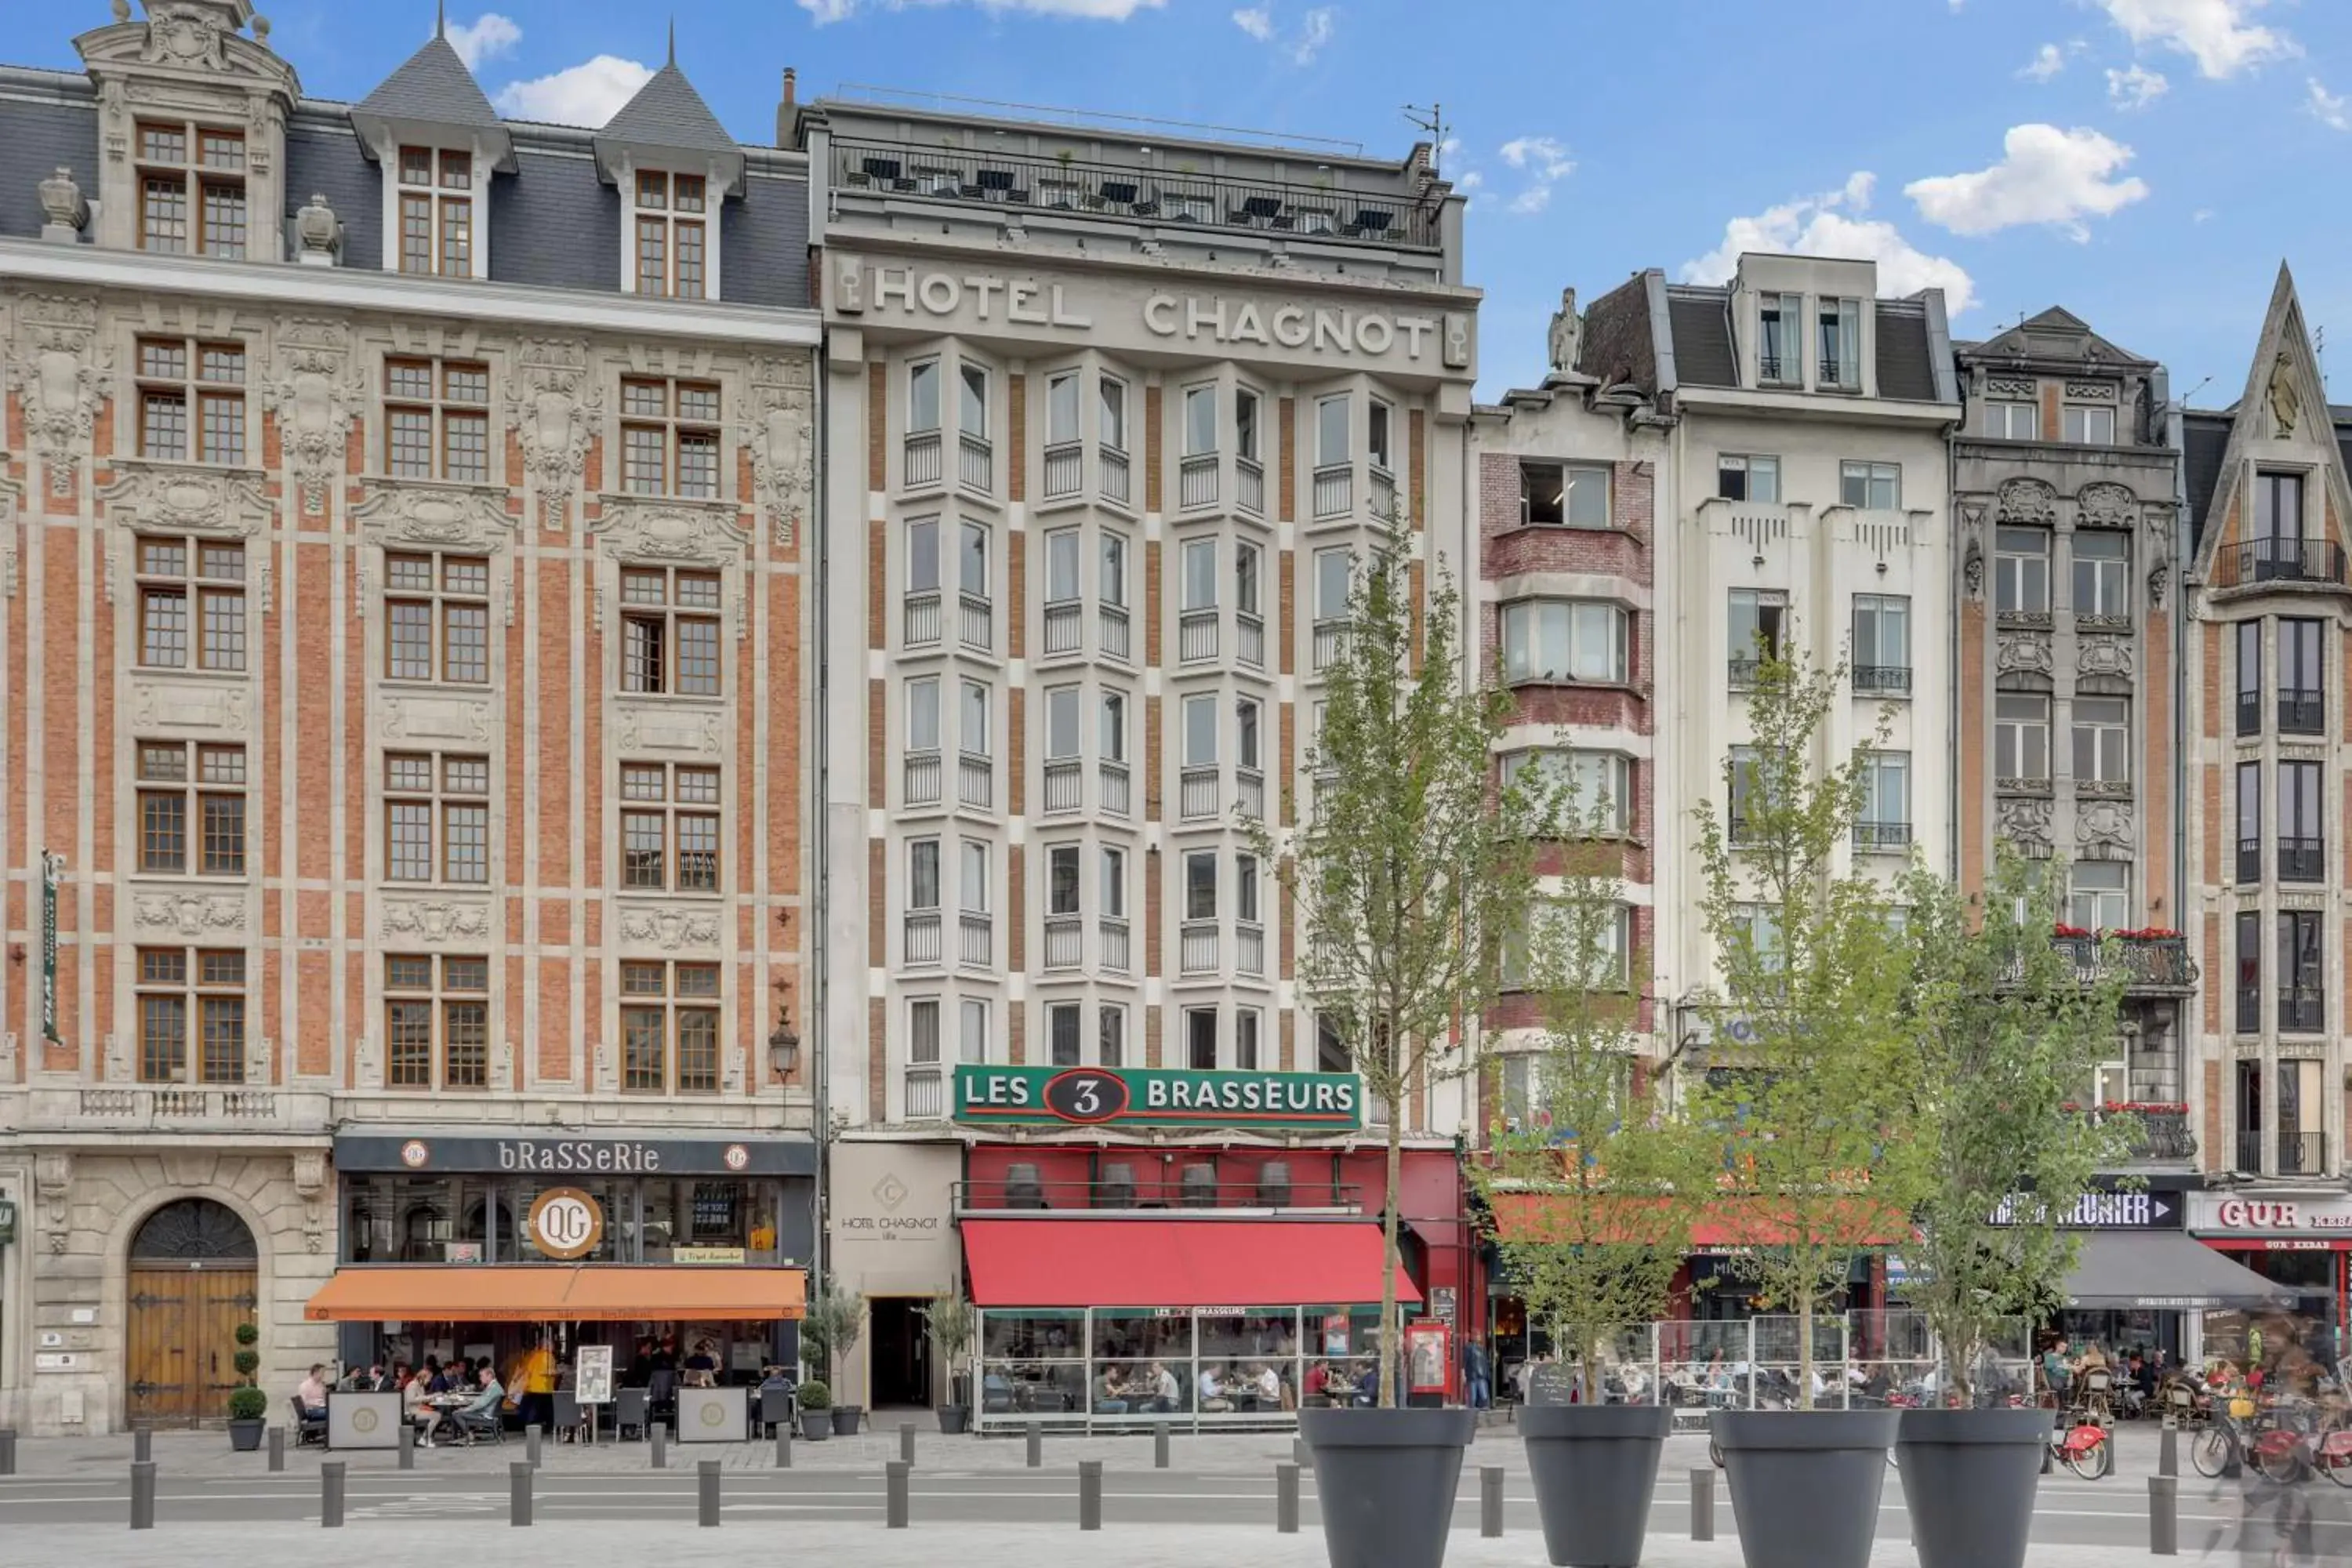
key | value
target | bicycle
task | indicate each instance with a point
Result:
(2084, 1449)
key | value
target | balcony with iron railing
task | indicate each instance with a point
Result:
(1249, 950)
(2249, 1009)
(2250, 1154)
(1882, 837)
(976, 939)
(1249, 639)
(924, 619)
(2302, 1153)
(1111, 932)
(923, 467)
(927, 1095)
(1196, 636)
(2149, 964)
(1065, 622)
(1331, 636)
(1335, 490)
(1019, 184)
(1113, 465)
(1883, 680)
(976, 467)
(1115, 793)
(2302, 711)
(2285, 562)
(1064, 941)
(1151, 1185)
(1113, 627)
(2301, 859)
(1197, 948)
(1197, 793)
(1385, 501)
(1249, 794)
(923, 775)
(1196, 481)
(2302, 1009)
(1742, 672)
(1065, 784)
(976, 622)
(1249, 482)
(922, 939)
(2250, 861)
(2250, 712)
(1065, 469)
(976, 781)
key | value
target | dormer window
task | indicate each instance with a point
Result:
(437, 212)
(670, 252)
(1778, 338)
(191, 190)
(1841, 344)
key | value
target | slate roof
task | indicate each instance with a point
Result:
(1700, 320)
(36, 138)
(1906, 369)
(668, 113)
(434, 86)
(2205, 440)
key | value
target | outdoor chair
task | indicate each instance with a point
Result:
(309, 1425)
(775, 1409)
(629, 1412)
(490, 1423)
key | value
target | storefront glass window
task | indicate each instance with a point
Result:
(484, 1219)
(1238, 1350)
(1346, 1342)
(1144, 1362)
(1033, 1363)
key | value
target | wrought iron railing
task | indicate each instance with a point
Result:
(2319, 561)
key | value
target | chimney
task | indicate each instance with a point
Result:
(788, 112)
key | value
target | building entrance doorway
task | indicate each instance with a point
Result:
(900, 1359)
(192, 1279)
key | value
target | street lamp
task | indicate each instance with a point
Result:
(783, 1045)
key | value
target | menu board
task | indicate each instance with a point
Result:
(592, 1375)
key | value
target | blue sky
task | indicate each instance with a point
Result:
(2145, 163)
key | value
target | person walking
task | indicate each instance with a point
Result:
(1477, 1385)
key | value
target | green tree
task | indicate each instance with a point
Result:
(2009, 1027)
(1413, 860)
(1590, 1181)
(1805, 1100)
(830, 1327)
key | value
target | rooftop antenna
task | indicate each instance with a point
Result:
(2319, 352)
(1433, 122)
(440, 19)
(673, 37)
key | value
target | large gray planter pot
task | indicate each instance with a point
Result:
(1968, 1482)
(1594, 1468)
(1386, 1480)
(1805, 1484)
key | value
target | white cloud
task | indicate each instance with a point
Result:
(1256, 21)
(1831, 223)
(1545, 163)
(1315, 29)
(1314, 32)
(586, 94)
(2202, 214)
(2046, 175)
(2220, 35)
(2328, 108)
(2047, 61)
(825, 11)
(486, 38)
(2133, 88)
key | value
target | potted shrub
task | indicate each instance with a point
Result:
(2009, 1031)
(1407, 868)
(834, 1320)
(816, 1410)
(1803, 1095)
(1589, 1188)
(249, 1406)
(951, 1322)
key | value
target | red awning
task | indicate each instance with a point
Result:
(1176, 1263)
(1726, 1223)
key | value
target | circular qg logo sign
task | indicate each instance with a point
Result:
(1083, 1094)
(737, 1157)
(415, 1154)
(566, 1223)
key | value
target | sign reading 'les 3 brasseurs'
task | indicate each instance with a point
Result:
(1098, 309)
(1152, 1097)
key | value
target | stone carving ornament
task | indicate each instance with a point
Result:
(188, 35)
(53, 1184)
(313, 397)
(2107, 505)
(62, 374)
(670, 533)
(556, 408)
(1972, 558)
(2022, 653)
(435, 516)
(2026, 500)
(2024, 821)
(184, 499)
(779, 431)
(188, 914)
(670, 928)
(435, 920)
(1567, 333)
(2104, 656)
(2103, 824)
(2286, 403)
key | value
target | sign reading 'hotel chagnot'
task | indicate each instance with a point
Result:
(1151, 1097)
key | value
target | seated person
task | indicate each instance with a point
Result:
(414, 1412)
(1110, 1393)
(1213, 1391)
(1270, 1390)
(311, 1394)
(1318, 1377)
(484, 1413)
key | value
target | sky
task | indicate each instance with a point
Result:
(2145, 163)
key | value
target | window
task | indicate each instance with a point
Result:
(1757, 616)
(1113, 395)
(922, 396)
(1062, 879)
(923, 714)
(1062, 1034)
(1062, 723)
(1201, 731)
(2101, 575)
(1874, 487)
(669, 631)
(437, 817)
(436, 1022)
(923, 556)
(1570, 495)
(1881, 642)
(1114, 883)
(669, 438)
(2010, 421)
(972, 1021)
(1247, 712)
(1113, 737)
(437, 212)
(1246, 1022)
(1061, 566)
(2020, 737)
(1745, 769)
(1200, 575)
(2022, 571)
(2301, 840)
(971, 559)
(1760, 924)
(192, 401)
(1201, 1038)
(1564, 639)
(181, 991)
(2250, 822)
(2250, 972)
(1334, 575)
(672, 256)
(1111, 582)
(1598, 783)
(2278, 510)
(185, 788)
(1331, 1052)
(437, 420)
(1248, 590)
(669, 1028)
(191, 190)
(1245, 425)
(1841, 344)
(2249, 677)
(2099, 898)
(976, 738)
(1330, 432)
(171, 572)
(2302, 677)
(1379, 417)
(2102, 740)
(1201, 885)
(1746, 477)
(1885, 822)
(923, 1032)
(1062, 408)
(1245, 906)
(2088, 426)
(438, 617)
(1199, 420)
(923, 875)
(669, 827)
(2303, 997)
(1778, 339)
(971, 410)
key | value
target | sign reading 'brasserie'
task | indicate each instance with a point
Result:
(1152, 1097)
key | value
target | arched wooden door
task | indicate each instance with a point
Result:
(192, 1280)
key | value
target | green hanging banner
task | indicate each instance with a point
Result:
(1156, 1097)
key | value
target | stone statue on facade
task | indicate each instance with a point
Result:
(2286, 404)
(1566, 334)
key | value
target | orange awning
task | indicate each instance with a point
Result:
(530, 1293)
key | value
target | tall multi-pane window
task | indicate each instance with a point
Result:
(1199, 420)
(669, 631)
(1112, 406)
(190, 1015)
(1780, 337)
(670, 234)
(437, 420)
(2101, 574)
(971, 406)
(2302, 676)
(1201, 1038)
(1379, 442)
(436, 618)
(1201, 885)
(1247, 1021)
(973, 1029)
(2022, 571)
(1111, 1036)
(2102, 740)
(2088, 425)
(192, 401)
(1840, 324)
(669, 438)
(1756, 617)
(1064, 1031)
(2021, 736)
(1885, 821)
(2278, 516)
(923, 875)
(1874, 487)
(183, 578)
(2302, 840)
(2098, 895)
(2303, 995)
(1200, 575)
(1330, 431)
(669, 827)
(1061, 566)
(1597, 786)
(1247, 405)
(437, 1021)
(922, 396)
(1882, 643)
(2012, 421)
(2250, 822)
(2249, 677)
(437, 817)
(669, 1028)
(191, 808)
(437, 211)
(2250, 972)
(191, 190)
(1565, 639)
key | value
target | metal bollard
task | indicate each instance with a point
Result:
(783, 1445)
(907, 1442)
(706, 1480)
(530, 1444)
(1490, 1500)
(2167, 1447)
(1036, 1443)
(408, 1448)
(278, 1447)
(2164, 1516)
(1159, 1447)
(1286, 1499)
(894, 1492)
(1702, 1485)
(142, 1446)
(1299, 1454)
(7, 1450)
(661, 1447)
(331, 1494)
(143, 1496)
(1090, 1494)
(519, 1494)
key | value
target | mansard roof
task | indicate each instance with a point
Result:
(667, 116)
(434, 86)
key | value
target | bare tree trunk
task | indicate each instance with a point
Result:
(1390, 1395)
(1805, 1353)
